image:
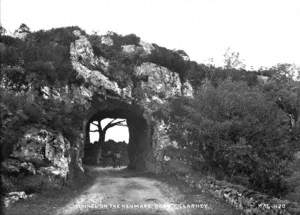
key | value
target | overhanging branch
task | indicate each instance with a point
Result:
(113, 123)
(94, 124)
(94, 130)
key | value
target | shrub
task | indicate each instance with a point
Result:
(20, 110)
(237, 130)
(169, 59)
(121, 64)
(43, 55)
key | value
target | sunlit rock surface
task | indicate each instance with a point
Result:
(44, 152)
(159, 81)
(40, 152)
(12, 197)
(149, 87)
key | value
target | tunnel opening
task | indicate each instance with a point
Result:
(112, 135)
(101, 150)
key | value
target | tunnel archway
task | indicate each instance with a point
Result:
(114, 129)
(139, 127)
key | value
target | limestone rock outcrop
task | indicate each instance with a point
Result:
(149, 86)
(44, 149)
(39, 153)
(102, 92)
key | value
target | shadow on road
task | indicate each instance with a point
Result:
(122, 191)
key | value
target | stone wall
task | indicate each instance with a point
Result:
(249, 201)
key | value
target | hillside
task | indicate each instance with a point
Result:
(230, 124)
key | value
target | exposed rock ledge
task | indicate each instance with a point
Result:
(41, 159)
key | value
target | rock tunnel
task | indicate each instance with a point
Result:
(139, 127)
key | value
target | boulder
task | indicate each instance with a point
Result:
(28, 167)
(41, 148)
(159, 81)
(15, 196)
(130, 49)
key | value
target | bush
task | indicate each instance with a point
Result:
(112, 52)
(161, 56)
(43, 55)
(121, 64)
(20, 110)
(237, 130)
(130, 39)
(169, 59)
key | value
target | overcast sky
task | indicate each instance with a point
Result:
(265, 32)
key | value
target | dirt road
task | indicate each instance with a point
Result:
(119, 191)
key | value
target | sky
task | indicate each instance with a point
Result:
(116, 133)
(264, 32)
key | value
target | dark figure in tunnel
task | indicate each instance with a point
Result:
(115, 157)
(104, 158)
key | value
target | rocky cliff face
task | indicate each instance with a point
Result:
(46, 152)
(150, 86)
(40, 158)
(154, 81)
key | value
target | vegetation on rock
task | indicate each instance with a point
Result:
(234, 126)
(27, 67)
(245, 134)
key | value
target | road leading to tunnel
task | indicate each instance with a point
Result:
(120, 191)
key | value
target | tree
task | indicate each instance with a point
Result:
(102, 132)
(22, 29)
(232, 60)
(2, 30)
(284, 90)
(238, 130)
